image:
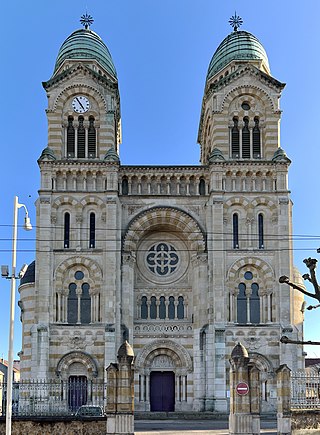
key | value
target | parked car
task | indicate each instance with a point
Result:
(90, 411)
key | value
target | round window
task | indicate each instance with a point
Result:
(162, 259)
(248, 275)
(79, 275)
(245, 106)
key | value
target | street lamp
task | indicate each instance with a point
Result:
(5, 274)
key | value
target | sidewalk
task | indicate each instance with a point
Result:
(193, 427)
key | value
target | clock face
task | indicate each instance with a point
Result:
(80, 104)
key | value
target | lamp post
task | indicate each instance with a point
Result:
(27, 226)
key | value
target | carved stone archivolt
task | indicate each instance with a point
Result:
(168, 350)
(168, 217)
(89, 365)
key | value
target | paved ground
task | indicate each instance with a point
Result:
(193, 427)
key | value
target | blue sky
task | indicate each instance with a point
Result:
(161, 50)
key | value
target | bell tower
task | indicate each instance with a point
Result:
(83, 99)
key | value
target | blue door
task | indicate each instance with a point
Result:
(162, 391)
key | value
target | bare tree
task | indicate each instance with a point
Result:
(311, 264)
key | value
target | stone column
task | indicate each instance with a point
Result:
(244, 415)
(283, 397)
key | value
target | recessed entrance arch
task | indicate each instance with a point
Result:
(162, 391)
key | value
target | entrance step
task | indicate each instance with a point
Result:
(179, 415)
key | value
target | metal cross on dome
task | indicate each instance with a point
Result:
(235, 21)
(86, 20)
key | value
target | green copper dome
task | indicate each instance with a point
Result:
(84, 44)
(239, 45)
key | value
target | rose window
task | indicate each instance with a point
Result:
(162, 259)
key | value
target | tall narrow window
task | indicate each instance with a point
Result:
(66, 236)
(256, 141)
(91, 139)
(242, 316)
(85, 304)
(81, 145)
(180, 308)
(124, 186)
(92, 231)
(162, 308)
(235, 139)
(72, 304)
(202, 187)
(70, 138)
(235, 230)
(246, 139)
(260, 230)
(254, 304)
(153, 308)
(171, 308)
(144, 308)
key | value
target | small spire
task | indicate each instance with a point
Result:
(86, 20)
(235, 21)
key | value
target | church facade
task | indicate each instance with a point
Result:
(181, 261)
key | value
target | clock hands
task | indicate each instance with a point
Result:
(80, 103)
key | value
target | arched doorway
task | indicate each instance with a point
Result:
(162, 391)
(77, 371)
(77, 392)
(163, 369)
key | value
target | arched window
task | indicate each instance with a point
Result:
(92, 231)
(202, 187)
(162, 308)
(180, 308)
(85, 304)
(246, 139)
(256, 142)
(125, 187)
(91, 139)
(242, 316)
(171, 308)
(153, 308)
(254, 304)
(235, 139)
(70, 138)
(235, 230)
(72, 304)
(81, 139)
(260, 231)
(66, 235)
(144, 308)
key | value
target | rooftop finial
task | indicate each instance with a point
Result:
(86, 20)
(235, 21)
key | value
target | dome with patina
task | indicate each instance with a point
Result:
(238, 45)
(84, 44)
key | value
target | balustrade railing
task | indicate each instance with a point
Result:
(305, 390)
(54, 397)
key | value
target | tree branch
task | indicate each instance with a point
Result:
(284, 339)
(285, 280)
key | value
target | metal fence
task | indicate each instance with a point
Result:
(305, 390)
(53, 398)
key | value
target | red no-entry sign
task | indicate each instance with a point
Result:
(242, 388)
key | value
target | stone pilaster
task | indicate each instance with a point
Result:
(283, 396)
(128, 305)
(244, 416)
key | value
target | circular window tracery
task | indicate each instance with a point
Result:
(162, 259)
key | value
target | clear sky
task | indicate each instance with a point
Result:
(161, 50)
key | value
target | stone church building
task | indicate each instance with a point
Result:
(181, 261)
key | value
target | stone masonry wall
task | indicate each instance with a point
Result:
(305, 422)
(56, 427)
